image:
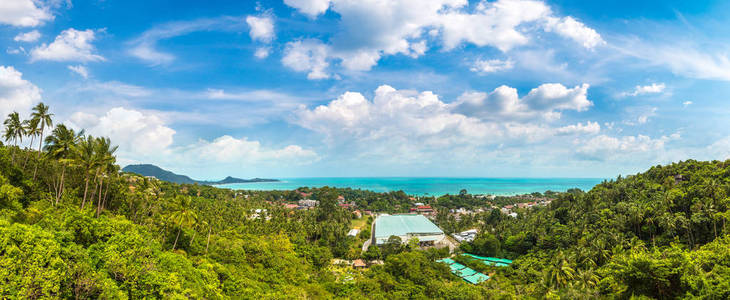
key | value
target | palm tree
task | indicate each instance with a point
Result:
(561, 273)
(85, 157)
(104, 152)
(14, 131)
(40, 113)
(31, 130)
(182, 215)
(60, 145)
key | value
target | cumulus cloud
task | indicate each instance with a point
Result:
(577, 31)
(632, 148)
(653, 88)
(24, 13)
(545, 101)
(307, 56)
(368, 30)
(424, 126)
(311, 8)
(70, 45)
(28, 37)
(144, 136)
(135, 132)
(491, 65)
(262, 28)
(16, 93)
(81, 70)
(587, 128)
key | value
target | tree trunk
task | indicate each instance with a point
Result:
(60, 192)
(98, 202)
(32, 138)
(176, 237)
(38, 157)
(208, 242)
(86, 188)
(103, 203)
(193, 238)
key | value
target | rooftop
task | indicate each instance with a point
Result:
(401, 225)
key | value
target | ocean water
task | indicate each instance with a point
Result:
(428, 186)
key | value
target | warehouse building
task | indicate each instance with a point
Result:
(407, 227)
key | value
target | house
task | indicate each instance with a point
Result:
(357, 214)
(340, 199)
(424, 209)
(353, 232)
(308, 203)
(407, 227)
(358, 264)
(290, 206)
(465, 236)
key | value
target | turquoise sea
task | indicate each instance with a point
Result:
(428, 186)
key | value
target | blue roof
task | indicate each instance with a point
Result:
(475, 278)
(401, 225)
(492, 261)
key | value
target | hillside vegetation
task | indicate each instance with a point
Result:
(73, 226)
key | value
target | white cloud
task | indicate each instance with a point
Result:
(587, 128)
(227, 149)
(23, 13)
(545, 101)
(682, 59)
(70, 45)
(643, 118)
(262, 28)
(262, 52)
(307, 56)
(491, 65)
(654, 88)
(28, 37)
(370, 29)
(81, 70)
(145, 137)
(422, 125)
(311, 8)
(577, 31)
(686, 103)
(144, 47)
(16, 93)
(135, 132)
(630, 148)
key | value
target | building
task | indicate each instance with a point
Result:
(353, 232)
(358, 264)
(465, 236)
(308, 203)
(407, 227)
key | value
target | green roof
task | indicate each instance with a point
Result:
(499, 262)
(476, 278)
(402, 225)
(456, 267)
(447, 261)
(465, 272)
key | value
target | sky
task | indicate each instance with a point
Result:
(367, 88)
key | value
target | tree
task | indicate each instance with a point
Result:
(14, 131)
(182, 215)
(31, 130)
(60, 146)
(104, 157)
(84, 156)
(40, 113)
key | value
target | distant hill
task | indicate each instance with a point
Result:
(162, 174)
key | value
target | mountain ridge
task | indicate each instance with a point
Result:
(162, 174)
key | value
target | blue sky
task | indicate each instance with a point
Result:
(300, 88)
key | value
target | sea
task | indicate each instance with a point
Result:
(428, 186)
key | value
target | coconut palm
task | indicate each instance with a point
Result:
(14, 131)
(84, 157)
(182, 215)
(40, 113)
(31, 129)
(60, 145)
(104, 152)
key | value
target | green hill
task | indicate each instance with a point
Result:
(162, 174)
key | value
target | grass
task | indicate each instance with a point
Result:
(360, 223)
